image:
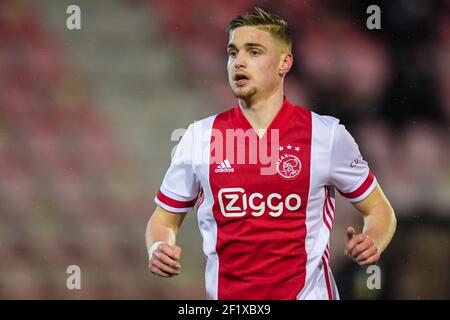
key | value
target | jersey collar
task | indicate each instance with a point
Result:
(280, 120)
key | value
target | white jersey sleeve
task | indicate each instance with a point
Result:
(349, 172)
(180, 187)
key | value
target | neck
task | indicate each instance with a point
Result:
(261, 112)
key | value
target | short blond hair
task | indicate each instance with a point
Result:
(267, 21)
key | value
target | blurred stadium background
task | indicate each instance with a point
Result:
(86, 118)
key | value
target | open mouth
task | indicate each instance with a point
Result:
(241, 79)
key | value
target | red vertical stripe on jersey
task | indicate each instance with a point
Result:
(329, 206)
(330, 202)
(262, 256)
(200, 199)
(327, 254)
(327, 278)
(325, 210)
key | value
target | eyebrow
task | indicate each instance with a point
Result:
(247, 45)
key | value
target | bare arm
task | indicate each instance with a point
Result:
(163, 227)
(379, 228)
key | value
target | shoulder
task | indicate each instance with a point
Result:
(317, 119)
(323, 125)
(329, 126)
(204, 123)
(207, 123)
(325, 121)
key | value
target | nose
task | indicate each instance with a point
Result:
(239, 61)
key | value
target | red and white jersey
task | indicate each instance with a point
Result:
(266, 236)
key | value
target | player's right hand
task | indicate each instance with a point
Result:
(361, 248)
(165, 259)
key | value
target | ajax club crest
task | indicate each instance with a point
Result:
(289, 165)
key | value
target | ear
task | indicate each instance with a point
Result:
(286, 63)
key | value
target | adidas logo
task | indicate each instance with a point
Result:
(225, 166)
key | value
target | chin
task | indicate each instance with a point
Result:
(244, 93)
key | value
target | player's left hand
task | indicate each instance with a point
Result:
(361, 248)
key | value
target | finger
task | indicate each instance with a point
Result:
(371, 260)
(163, 267)
(164, 258)
(177, 251)
(361, 247)
(170, 251)
(353, 242)
(350, 233)
(158, 272)
(366, 254)
(352, 245)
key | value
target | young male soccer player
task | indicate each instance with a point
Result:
(266, 191)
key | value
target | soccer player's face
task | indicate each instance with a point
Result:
(254, 59)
